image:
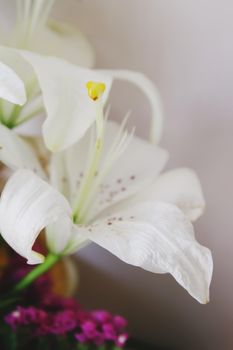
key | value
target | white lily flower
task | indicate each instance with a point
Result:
(107, 189)
(35, 32)
(54, 85)
(69, 110)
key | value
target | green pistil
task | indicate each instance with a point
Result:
(92, 171)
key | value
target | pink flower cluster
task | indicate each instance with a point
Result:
(55, 316)
(64, 316)
(100, 327)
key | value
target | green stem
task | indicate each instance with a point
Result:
(39, 270)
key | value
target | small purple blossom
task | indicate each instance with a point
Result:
(120, 322)
(14, 319)
(60, 323)
(53, 315)
(80, 337)
(122, 339)
(25, 316)
(95, 327)
(101, 316)
(90, 333)
(102, 327)
(109, 331)
(89, 328)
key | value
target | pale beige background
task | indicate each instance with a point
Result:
(186, 47)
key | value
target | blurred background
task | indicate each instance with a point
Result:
(185, 47)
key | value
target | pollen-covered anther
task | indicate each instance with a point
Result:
(95, 89)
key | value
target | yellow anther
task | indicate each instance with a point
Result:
(95, 90)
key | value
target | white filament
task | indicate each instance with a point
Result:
(118, 147)
(93, 163)
(31, 14)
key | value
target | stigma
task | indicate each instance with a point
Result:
(95, 89)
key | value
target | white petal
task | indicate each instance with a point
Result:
(64, 41)
(58, 234)
(180, 187)
(11, 86)
(75, 160)
(151, 92)
(12, 58)
(157, 237)
(17, 153)
(78, 240)
(27, 205)
(59, 178)
(70, 112)
(138, 166)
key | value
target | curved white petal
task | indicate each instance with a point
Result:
(11, 86)
(64, 172)
(157, 237)
(70, 112)
(12, 58)
(78, 240)
(151, 92)
(138, 165)
(17, 153)
(180, 187)
(58, 234)
(27, 205)
(65, 41)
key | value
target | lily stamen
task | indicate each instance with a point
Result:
(94, 176)
(119, 145)
(95, 91)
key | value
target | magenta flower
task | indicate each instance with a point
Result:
(122, 339)
(120, 322)
(60, 317)
(101, 316)
(109, 331)
(25, 316)
(60, 323)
